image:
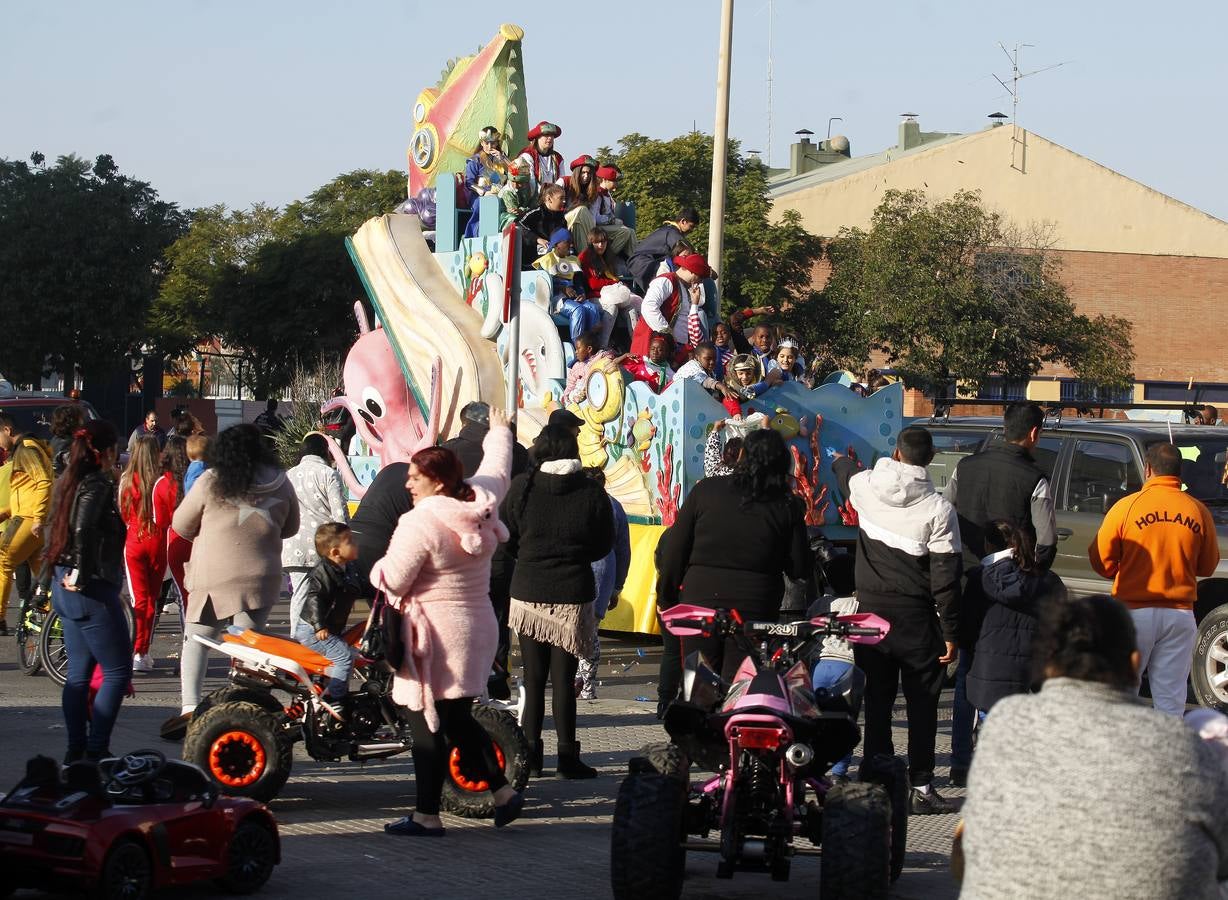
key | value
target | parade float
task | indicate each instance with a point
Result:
(457, 321)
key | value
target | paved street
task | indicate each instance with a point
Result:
(331, 815)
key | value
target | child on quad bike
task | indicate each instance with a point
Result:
(834, 662)
(328, 596)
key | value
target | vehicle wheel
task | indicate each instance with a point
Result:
(647, 856)
(27, 643)
(52, 654)
(233, 694)
(856, 843)
(237, 745)
(1210, 671)
(892, 773)
(467, 794)
(253, 854)
(661, 759)
(127, 873)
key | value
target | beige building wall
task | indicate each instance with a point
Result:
(1032, 180)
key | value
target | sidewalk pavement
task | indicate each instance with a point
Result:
(332, 814)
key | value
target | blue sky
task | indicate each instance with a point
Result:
(239, 102)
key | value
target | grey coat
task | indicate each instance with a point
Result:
(320, 499)
(1083, 791)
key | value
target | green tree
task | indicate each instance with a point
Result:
(765, 263)
(80, 263)
(948, 291)
(276, 286)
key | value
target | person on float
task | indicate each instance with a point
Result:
(604, 208)
(602, 271)
(582, 192)
(485, 172)
(543, 162)
(674, 303)
(540, 224)
(652, 368)
(660, 245)
(515, 197)
(566, 292)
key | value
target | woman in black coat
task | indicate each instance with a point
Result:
(560, 523)
(734, 538)
(1001, 604)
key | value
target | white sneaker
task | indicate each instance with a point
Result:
(142, 662)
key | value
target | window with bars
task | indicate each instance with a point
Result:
(1079, 391)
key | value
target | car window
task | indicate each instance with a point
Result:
(1045, 453)
(1101, 473)
(1203, 461)
(36, 420)
(949, 448)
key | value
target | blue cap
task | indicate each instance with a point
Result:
(560, 235)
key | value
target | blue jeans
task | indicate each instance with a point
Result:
(962, 715)
(828, 672)
(95, 633)
(339, 653)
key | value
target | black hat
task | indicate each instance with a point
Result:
(566, 418)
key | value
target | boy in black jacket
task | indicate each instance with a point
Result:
(329, 593)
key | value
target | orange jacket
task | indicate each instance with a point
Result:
(1154, 544)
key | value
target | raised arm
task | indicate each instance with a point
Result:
(495, 472)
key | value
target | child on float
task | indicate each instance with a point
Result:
(747, 379)
(701, 368)
(622, 238)
(516, 196)
(567, 294)
(722, 340)
(543, 163)
(674, 303)
(329, 592)
(540, 223)
(582, 192)
(653, 369)
(604, 273)
(721, 453)
(588, 354)
(786, 359)
(485, 173)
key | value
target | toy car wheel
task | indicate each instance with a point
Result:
(237, 745)
(127, 873)
(892, 773)
(253, 854)
(647, 856)
(464, 792)
(856, 843)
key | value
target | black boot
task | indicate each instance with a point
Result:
(570, 765)
(535, 760)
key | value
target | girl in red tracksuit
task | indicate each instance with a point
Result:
(145, 548)
(168, 492)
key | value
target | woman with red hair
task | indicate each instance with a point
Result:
(437, 573)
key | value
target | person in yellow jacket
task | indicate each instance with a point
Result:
(21, 521)
(1155, 544)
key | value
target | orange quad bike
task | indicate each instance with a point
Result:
(243, 734)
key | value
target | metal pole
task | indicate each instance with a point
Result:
(720, 139)
(512, 315)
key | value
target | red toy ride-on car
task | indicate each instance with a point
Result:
(128, 826)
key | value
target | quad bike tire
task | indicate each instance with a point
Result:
(647, 856)
(231, 693)
(253, 855)
(856, 843)
(892, 773)
(661, 759)
(467, 794)
(238, 747)
(127, 873)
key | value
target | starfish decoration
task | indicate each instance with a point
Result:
(261, 508)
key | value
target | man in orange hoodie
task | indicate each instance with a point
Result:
(1155, 544)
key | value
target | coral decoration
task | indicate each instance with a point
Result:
(670, 493)
(807, 483)
(848, 515)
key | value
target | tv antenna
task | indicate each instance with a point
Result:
(771, 7)
(1018, 141)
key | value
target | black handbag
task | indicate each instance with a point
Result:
(382, 639)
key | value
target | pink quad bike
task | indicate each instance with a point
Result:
(769, 738)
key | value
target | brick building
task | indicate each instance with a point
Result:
(1124, 248)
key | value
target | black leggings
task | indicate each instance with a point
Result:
(457, 728)
(544, 662)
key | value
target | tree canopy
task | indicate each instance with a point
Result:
(275, 286)
(765, 263)
(951, 291)
(80, 263)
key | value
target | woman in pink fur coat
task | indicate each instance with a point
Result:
(437, 573)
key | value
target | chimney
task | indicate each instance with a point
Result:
(910, 132)
(805, 156)
(997, 119)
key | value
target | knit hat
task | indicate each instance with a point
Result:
(558, 236)
(693, 262)
(609, 173)
(544, 129)
(583, 160)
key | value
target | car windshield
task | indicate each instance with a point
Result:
(1202, 466)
